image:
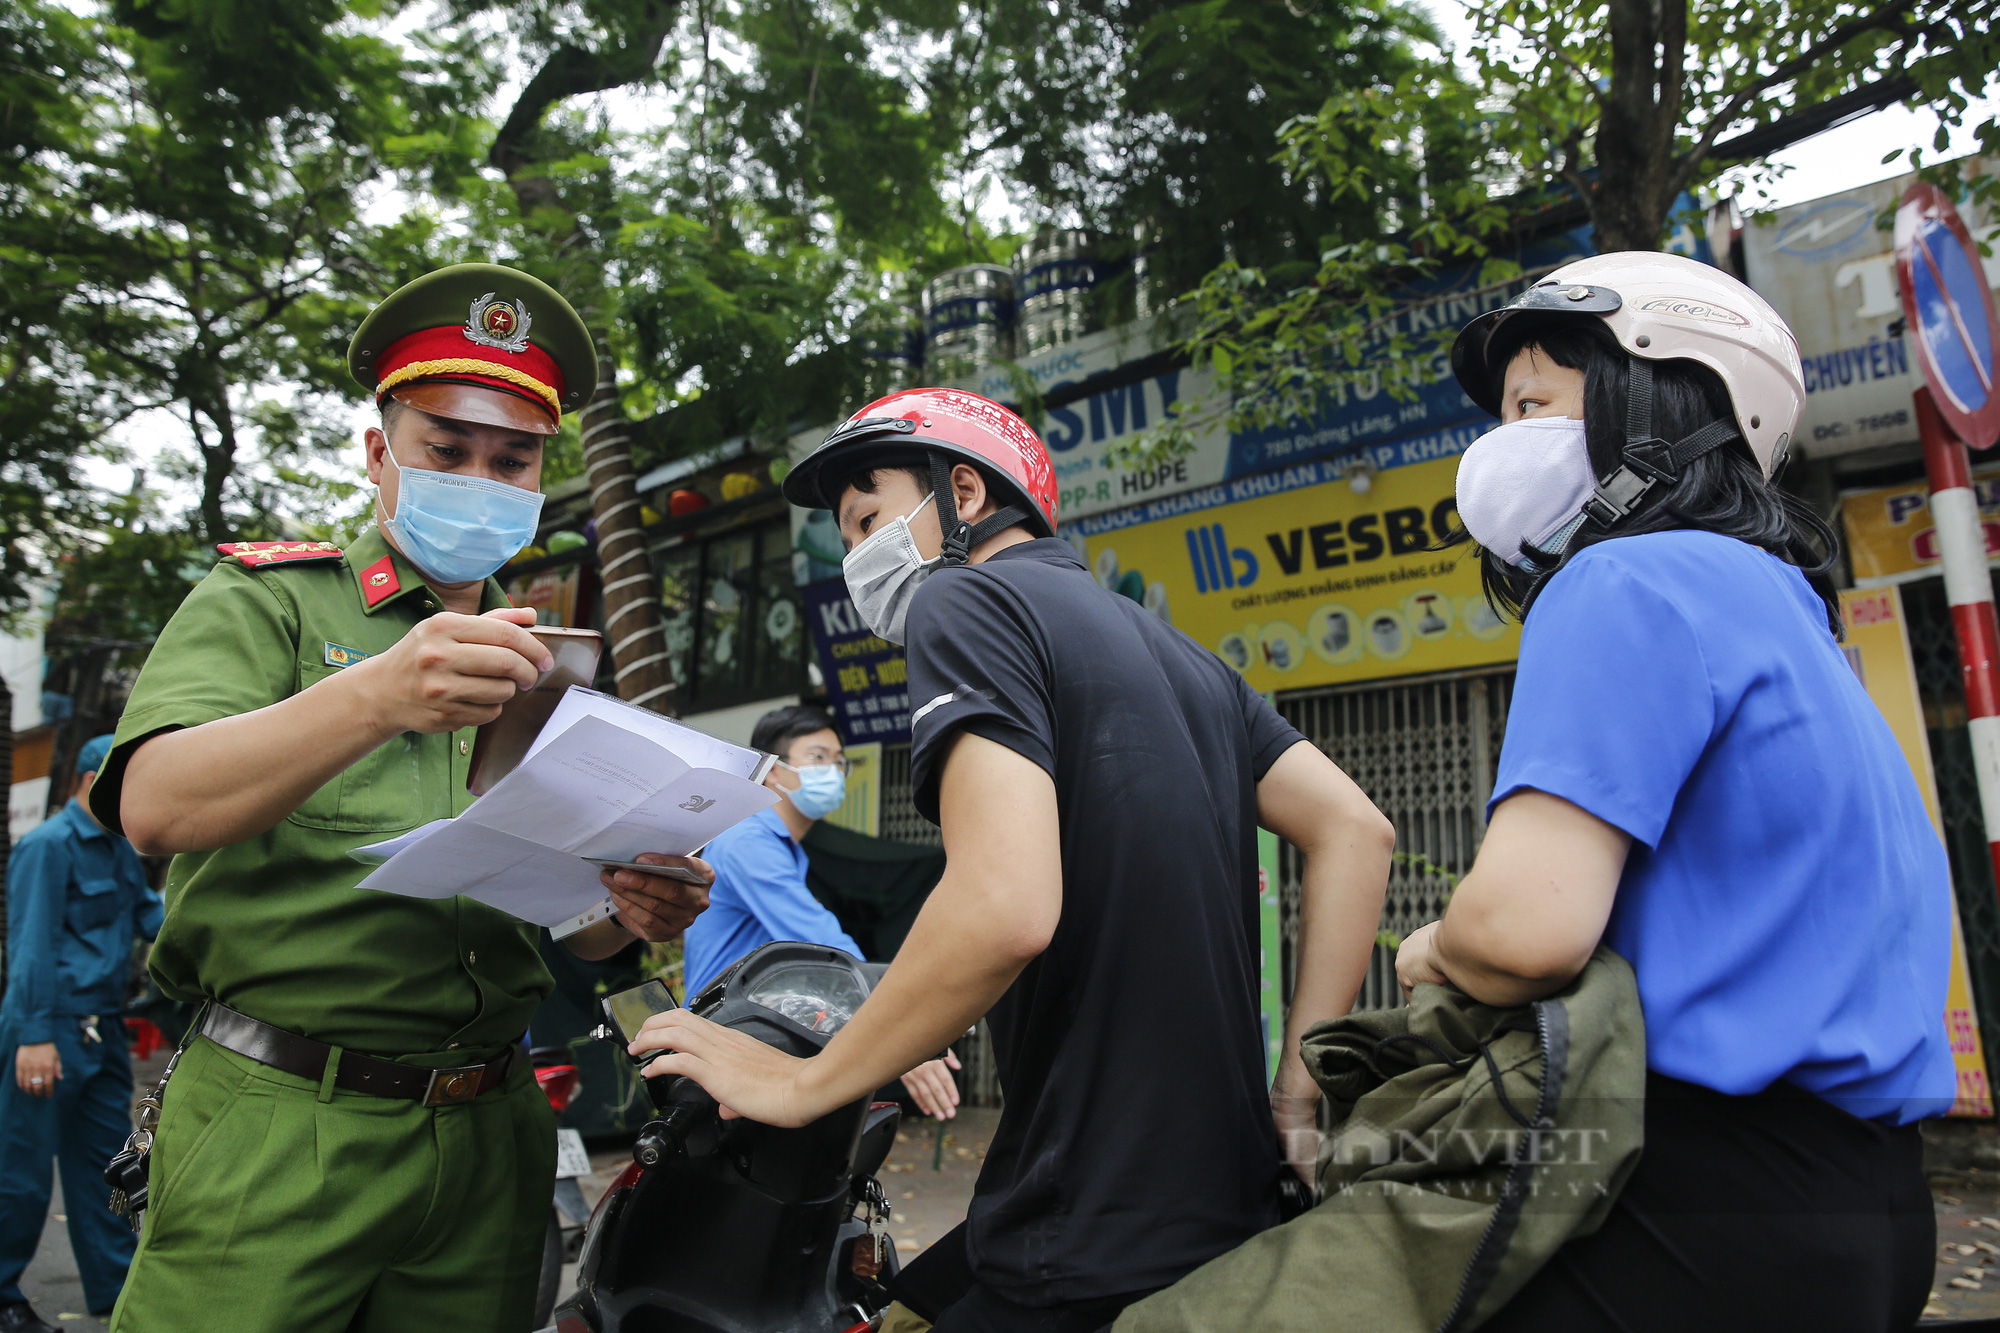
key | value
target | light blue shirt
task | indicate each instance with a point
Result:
(76, 898)
(1786, 903)
(759, 895)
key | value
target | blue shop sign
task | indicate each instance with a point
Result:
(867, 679)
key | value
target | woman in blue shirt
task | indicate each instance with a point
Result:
(1693, 776)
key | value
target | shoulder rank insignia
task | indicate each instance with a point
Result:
(272, 553)
(379, 582)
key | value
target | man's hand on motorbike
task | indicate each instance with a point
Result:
(932, 1087)
(654, 907)
(748, 1078)
(1416, 960)
(453, 671)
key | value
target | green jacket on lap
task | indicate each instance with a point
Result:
(1469, 1143)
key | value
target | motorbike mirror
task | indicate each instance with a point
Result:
(628, 1010)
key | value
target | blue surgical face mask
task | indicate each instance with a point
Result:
(459, 529)
(821, 789)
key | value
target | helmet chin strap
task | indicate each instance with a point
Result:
(1647, 460)
(960, 537)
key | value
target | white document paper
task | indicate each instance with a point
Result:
(593, 785)
(698, 748)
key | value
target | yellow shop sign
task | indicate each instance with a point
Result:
(1890, 536)
(1315, 584)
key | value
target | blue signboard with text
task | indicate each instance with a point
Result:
(1429, 422)
(867, 680)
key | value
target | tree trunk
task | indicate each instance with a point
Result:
(218, 463)
(1626, 212)
(632, 625)
(1639, 113)
(633, 628)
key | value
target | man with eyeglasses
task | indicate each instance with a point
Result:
(760, 892)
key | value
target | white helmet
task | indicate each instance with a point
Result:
(1664, 307)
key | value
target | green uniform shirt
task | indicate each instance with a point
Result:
(275, 926)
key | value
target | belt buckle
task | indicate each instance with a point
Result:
(451, 1087)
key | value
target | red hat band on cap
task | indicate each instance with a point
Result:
(447, 353)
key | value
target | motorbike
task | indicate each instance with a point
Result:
(556, 1075)
(730, 1226)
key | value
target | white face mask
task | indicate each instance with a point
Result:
(1524, 484)
(884, 572)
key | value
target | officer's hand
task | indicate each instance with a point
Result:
(454, 671)
(654, 907)
(38, 1069)
(932, 1087)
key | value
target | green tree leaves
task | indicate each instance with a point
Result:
(1622, 104)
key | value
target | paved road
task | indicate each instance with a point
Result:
(1968, 1217)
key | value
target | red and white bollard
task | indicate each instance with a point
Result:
(1961, 538)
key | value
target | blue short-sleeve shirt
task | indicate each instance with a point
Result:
(1786, 902)
(759, 895)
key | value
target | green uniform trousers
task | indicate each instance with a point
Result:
(279, 1206)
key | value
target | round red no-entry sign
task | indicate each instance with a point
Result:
(1950, 313)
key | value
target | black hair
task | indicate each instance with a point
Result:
(1722, 491)
(868, 476)
(916, 463)
(392, 410)
(777, 729)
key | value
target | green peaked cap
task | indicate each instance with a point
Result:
(454, 297)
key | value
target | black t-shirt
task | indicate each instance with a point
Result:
(1137, 1141)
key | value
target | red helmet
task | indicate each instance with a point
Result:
(951, 426)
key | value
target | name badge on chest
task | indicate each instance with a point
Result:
(338, 656)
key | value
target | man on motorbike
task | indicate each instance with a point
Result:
(760, 892)
(1098, 778)
(1694, 776)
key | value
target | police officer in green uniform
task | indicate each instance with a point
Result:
(354, 1141)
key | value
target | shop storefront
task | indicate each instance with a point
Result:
(721, 539)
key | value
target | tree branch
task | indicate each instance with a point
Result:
(571, 71)
(1539, 39)
(1672, 77)
(1792, 69)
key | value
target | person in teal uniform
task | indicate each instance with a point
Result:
(77, 898)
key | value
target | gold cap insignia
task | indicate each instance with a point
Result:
(499, 324)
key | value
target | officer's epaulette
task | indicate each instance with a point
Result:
(255, 554)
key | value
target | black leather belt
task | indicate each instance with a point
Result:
(307, 1058)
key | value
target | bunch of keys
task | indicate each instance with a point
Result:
(871, 1251)
(128, 1172)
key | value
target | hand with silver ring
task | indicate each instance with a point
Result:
(37, 1068)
